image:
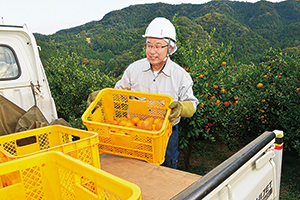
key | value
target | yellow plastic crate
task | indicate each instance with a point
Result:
(126, 141)
(51, 138)
(53, 175)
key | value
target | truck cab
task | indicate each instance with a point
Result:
(22, 77)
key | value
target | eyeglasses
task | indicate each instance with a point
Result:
(155, 48)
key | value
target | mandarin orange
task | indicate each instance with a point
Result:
(146, 125)
(159, 125)
(135, 120)
(139, 124)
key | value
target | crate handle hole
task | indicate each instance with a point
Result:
(26, 141)
(137, 98)
(75, 138)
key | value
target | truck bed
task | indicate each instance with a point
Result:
(156, 182)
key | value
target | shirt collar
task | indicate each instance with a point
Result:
(166, 69)
(147, 67)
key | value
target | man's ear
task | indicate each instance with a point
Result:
(171, 49)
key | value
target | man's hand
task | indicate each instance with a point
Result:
(92, 98)
(181, 108)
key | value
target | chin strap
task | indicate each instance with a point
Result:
(168, 40)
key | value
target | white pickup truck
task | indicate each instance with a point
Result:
(252, 173)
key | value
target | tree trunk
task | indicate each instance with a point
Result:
(187, 154)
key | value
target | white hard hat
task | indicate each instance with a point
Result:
(160, 27)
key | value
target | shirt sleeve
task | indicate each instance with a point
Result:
(124, 82)
(117, 86)
(186, 92)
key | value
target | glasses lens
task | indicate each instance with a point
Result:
(156, 48)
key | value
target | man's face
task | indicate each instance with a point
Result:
(156, 51)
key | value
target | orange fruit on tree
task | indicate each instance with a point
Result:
(260, 85)
(211, 98)
(222, 91)
(215, 86)
(200, 76)
(223, 63)
(226, 103)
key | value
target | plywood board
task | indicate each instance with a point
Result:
(156, 182)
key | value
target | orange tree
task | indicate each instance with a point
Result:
(71, 82)
(238, 101)
(284, 77)
(210, 72)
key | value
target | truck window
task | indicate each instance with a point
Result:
(9, 67)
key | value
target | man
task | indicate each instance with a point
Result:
(157, 73)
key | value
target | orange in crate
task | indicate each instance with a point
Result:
(134, 141)
(53, 175)
(77, 143)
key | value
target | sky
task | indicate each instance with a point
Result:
(49, 16)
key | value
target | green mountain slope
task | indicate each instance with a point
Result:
(115, 41)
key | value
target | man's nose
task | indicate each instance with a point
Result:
(153, 50)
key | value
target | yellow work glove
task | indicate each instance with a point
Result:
(92, 97)
(181, 108)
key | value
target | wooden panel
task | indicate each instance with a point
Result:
(156, 182)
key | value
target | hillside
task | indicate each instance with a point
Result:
(113, 42)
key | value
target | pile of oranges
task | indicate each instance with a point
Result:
(149, 124)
